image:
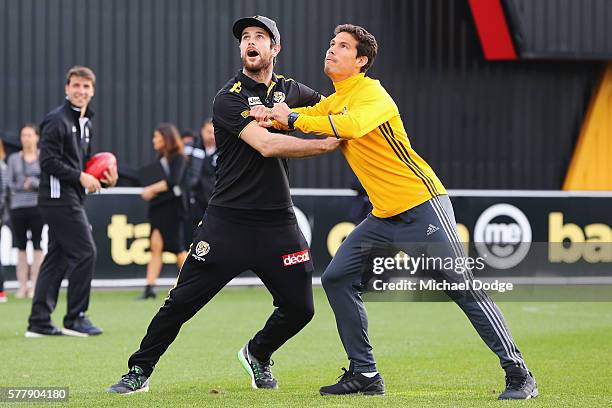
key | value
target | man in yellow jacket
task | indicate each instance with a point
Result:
(411, 209)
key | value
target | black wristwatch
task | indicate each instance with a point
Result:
(291, 119)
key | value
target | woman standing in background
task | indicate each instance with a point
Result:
(23, 180)
(167, 209)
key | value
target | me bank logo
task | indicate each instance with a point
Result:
(502, 236)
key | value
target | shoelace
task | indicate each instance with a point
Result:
(132, 379)
(262, 371)
(344, 376)
(516, 382)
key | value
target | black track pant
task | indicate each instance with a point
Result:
(222, 248)
(72, 254)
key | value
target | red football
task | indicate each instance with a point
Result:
(99, 163)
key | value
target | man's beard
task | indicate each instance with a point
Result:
(256, 68)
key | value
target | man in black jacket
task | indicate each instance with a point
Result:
(64, 148)
(203, 166)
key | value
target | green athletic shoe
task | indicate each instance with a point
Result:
(260, 372)
(133, 381)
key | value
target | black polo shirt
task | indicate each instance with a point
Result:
(245, 179)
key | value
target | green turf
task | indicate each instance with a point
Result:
(428, 354)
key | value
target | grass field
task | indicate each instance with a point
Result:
(428, 354)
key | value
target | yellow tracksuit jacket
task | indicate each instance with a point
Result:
(377, 148)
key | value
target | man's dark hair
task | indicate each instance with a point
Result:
(206, 122)
(366, 42)
(81, 72)
(187, 133)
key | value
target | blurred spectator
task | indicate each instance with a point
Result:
(360, 205)
(167, 208)
(188, 137)
(3, 297)
(202, 168)
(23, 179)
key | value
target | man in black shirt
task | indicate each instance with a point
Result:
(249, 222)
(66, 133)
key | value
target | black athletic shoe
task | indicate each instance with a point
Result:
(34, 332)
(520, 384)
(353, 383)
(133, 381)
(149, 293)
(81, 327)
(260, 372)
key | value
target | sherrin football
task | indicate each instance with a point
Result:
(99, 163)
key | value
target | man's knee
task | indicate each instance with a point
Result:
(176, 302)
(307, 313)
(90, 253)
(300, 315)
(85, 253)
(333, 277)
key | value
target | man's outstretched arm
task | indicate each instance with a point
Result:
(278, 145)
(368, 112)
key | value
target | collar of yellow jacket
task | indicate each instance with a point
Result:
(344, 86)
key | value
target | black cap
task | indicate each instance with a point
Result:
(257, 21)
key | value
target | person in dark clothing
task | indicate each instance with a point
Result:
(249, 222)
(191, 151)
(166, 204)
(66, 134)
(3, 192)
(201, 155)
(189, 140)
(202, 171)
(360, 204)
